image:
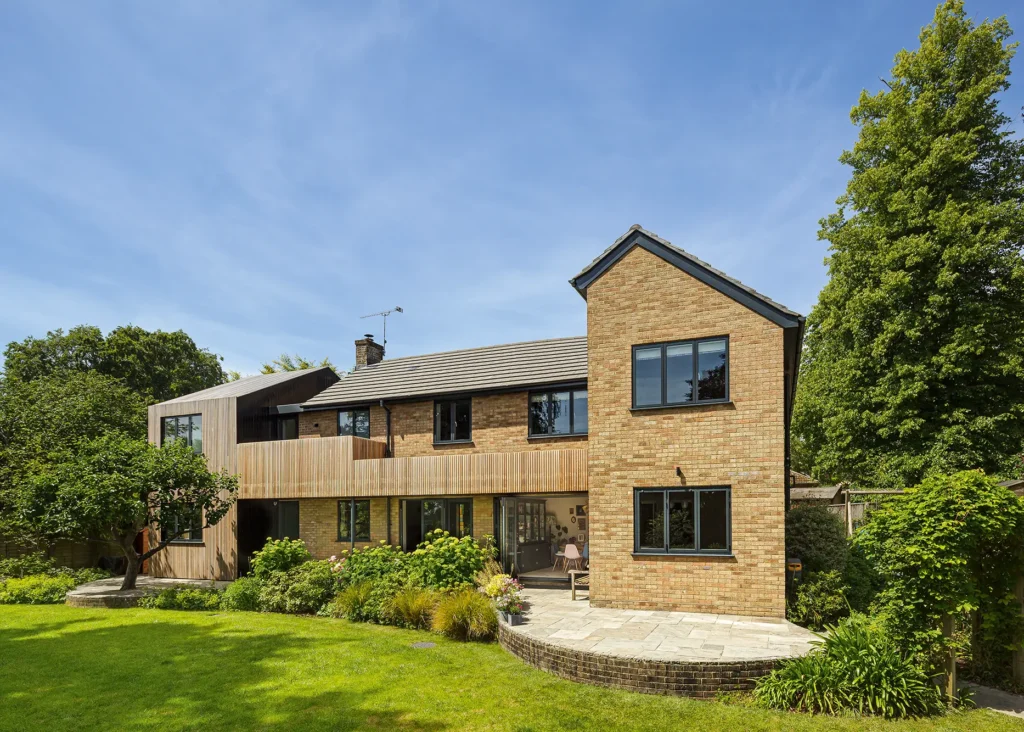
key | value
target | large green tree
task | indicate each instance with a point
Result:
(156, 364)
(115, 486)
(293, 363)
(913, 360)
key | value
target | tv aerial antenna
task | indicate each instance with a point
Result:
(383, 314)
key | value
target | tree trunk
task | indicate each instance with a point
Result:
(132, 572)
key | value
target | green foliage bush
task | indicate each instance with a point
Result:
(817, 537)
(304, 589)
(466, 615)
(443, 562)
(279, 556)
(242, 594)
(352, 601)
(412, 607)
(370, 564)
(861, 580)
(23, 566)
(184, 598)
(36, 589)
(855, 668)
(818, 600)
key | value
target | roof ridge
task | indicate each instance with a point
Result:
(477, 348)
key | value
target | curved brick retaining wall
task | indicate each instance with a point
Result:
(697, 679)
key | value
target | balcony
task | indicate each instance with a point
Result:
(331, 467)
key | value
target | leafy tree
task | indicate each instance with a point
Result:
(817, 537)
(914, 358)
(44, 420)
(293, 363)
(156, 364)
(952, 544)
(115, 486)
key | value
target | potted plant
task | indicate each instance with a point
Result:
(506, 593)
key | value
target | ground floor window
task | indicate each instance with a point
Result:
(419, 517)
(353, 520)
(192, 530)
(683, 520)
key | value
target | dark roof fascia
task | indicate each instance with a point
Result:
(705, 275)
(445, 395)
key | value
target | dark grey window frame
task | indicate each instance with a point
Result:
(353, 413)
(437, 425)
(190, 418)
(444, 501)
(351, 508)
(696, 490)
(696, 401)
(572, 411)
(195, 533)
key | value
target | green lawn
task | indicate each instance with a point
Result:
(64, 668)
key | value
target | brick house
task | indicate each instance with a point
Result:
(658, 444)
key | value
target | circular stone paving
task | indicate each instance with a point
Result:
(108, 592)
(657, 652)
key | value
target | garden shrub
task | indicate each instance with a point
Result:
(304, 589)
(89, 574)
(861, 580)
(184, 598)
(491, 569)
(443, 562)
(817, 537)
(351, 601)
(36, 589)
(855, 668)
(370, 564)
(819, 599)
(279, 556)
(242, 594)
(466, 615)
(25, 565)
(412, 607)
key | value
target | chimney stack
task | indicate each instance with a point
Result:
(368, 351)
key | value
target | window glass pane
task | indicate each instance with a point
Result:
(288, 428)
(361, 423)
(539, 414)
(195, 532)
(170, 430)
(183, 429)
(647, 376)
(679, 373)
(579, 411)
(288, 524)
(681, 525)
(345, 424)
(362, 521)
(560, 406)
(433, 513)
(711, 365)
(652, 520)
(196, 439)
(344, 520)
(714, 521)
(462, 417)
(443, 422)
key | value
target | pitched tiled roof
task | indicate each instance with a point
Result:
(533, 363)
(245, 385)
(636, 236)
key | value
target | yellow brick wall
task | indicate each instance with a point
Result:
(318, 525)
(643, 299)
(499, 424)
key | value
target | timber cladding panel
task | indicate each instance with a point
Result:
(643, 299)
(217, 557)
(302, 468)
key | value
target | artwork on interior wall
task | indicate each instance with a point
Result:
(573, 519)
(582, 524)
(580, 510)
(582, 538)
(572, 511)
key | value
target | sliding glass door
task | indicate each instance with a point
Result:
(419, 517)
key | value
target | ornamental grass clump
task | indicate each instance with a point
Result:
(412, 607)
(466, 615)
(855, 668)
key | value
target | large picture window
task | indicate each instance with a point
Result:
(353, 520)
(555, 413)
(675, 374)
(354, 423)
(683, 520)
(453, 420)
(188, 428)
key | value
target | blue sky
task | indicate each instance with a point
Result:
(260, 174)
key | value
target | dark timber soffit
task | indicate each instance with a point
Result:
(247, 385)
(637, 236)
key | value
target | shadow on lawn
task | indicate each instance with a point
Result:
(162, 673)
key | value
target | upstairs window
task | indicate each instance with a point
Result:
(353, 520)
(188, 428)
(354, 423)
(555, 413)
(683, 520)
(686, 372)
(453, 420)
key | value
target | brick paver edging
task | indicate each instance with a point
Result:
(702, 680)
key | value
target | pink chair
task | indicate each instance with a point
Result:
(572, 554)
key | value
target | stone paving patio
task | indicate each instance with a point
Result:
(663, 636)
(108, 593)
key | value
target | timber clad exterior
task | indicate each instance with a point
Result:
(561, 436)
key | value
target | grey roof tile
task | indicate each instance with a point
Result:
(532, 363)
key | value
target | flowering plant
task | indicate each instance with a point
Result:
(505, 592)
